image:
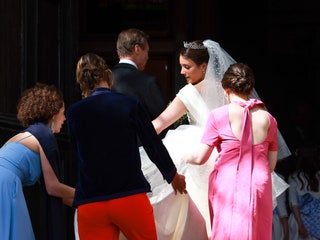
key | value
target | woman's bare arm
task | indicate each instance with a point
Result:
(272, 158)
(53, 186)
(172, 113)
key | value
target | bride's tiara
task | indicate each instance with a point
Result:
(193, 45)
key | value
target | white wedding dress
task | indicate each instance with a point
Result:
(194, 220)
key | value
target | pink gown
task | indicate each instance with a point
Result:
(240, 190)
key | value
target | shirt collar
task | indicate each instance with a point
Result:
(129, 62)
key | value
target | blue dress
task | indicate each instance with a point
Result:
(19, 166)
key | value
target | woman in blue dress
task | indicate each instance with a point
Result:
(30, 156)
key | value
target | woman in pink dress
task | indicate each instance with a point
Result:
(245, 135)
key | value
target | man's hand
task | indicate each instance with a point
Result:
(179, 184)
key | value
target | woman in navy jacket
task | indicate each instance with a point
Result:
(111, 189)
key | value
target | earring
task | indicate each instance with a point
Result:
(52, 126)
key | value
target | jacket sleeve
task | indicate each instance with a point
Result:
(153, 145)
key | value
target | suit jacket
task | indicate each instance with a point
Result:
(145, 88)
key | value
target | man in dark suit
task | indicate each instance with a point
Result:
(133, 52)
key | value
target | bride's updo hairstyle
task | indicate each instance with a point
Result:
(195, 51)
(239, 78)
(91, 70)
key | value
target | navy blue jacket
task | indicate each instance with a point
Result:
(103, 129)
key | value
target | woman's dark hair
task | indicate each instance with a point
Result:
(195, 51)
(308, 165)
(239, 78)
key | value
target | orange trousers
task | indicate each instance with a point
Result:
(132, 215)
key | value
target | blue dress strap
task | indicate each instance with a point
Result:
(24, 138)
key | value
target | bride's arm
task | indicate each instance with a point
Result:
(172, 113)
